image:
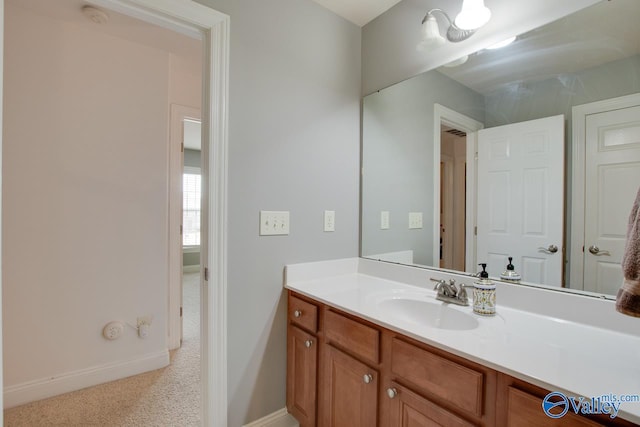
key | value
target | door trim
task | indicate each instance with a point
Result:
(177, 115)
(442, 114)
(578, 158)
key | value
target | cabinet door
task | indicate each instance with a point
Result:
(302, 356)
(350, 394)
(409, 409)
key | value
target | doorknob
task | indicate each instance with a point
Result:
(597, 251)
(552, 249)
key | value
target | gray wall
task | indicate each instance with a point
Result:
(397, 156)
(191, 158)
(293, 145)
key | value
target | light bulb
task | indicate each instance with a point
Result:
(474, 14)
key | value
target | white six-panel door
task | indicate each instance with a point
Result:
(521, 199)
(612, 178)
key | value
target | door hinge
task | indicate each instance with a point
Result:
(206, 274)
(180, 311)
(182, 147)
(475, 230)
(181, 229)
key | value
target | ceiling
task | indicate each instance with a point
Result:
(118, 25)
(360, 12)
(602, 33)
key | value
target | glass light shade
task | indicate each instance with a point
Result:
(474, 14)
(430, 34)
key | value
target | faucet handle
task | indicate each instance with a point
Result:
(439, 283)
(462, 294)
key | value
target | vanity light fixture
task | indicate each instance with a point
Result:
(473, 15)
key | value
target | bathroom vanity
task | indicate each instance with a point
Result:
(365, 349)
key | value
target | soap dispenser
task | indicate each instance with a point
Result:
(484, 294)
(510, 274)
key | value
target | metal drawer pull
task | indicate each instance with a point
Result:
(367, 378)
(552, 249)
(597, 251)
(308, 343)
(297, 313)
(392, 392)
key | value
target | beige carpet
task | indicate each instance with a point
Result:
(166, 397)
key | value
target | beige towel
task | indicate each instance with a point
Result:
(628, 299)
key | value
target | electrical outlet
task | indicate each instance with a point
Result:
(329, 220)
(415, 220)
(113, 330)
(144, 324)
(274, 223)
(384, 220)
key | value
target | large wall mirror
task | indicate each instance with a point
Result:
(530, 151)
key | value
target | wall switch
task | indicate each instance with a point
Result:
(415, 220)
(274, 223)
(329, 220)
(384, 220)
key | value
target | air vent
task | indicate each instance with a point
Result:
(456, 132)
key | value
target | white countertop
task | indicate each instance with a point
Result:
(551, 352)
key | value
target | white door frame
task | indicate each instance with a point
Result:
(579, 120)
(442, 114)
(212, 27)
(177, 116)
(1, 127)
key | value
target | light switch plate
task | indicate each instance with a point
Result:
(415, 220)
(274, 223)
(384, 220)
(329, 220)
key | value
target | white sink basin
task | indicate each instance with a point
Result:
(427, 311)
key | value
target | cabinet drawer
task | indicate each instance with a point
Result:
(303, 314)
(525, 410)
(359, 339)
(458, 385)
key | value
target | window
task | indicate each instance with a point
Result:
(191, 207)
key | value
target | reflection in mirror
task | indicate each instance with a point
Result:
(530, 151)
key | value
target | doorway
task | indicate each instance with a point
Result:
(205, 23)
(453, 176)
(455, 203)
(605, 176)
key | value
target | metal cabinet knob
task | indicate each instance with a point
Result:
(551, 249)
(392, 392)
(308, 343)
(367, 378)
(297, 313)
(597, 251)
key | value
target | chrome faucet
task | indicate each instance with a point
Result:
(448, 292)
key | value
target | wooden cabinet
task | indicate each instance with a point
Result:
(302, 357)
(409, 409)
(302, 361)
(520, 405)
(350, 391)
(346, 371)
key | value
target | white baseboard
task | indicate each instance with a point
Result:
(280, 418)
(191, 268)
(30, 391)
